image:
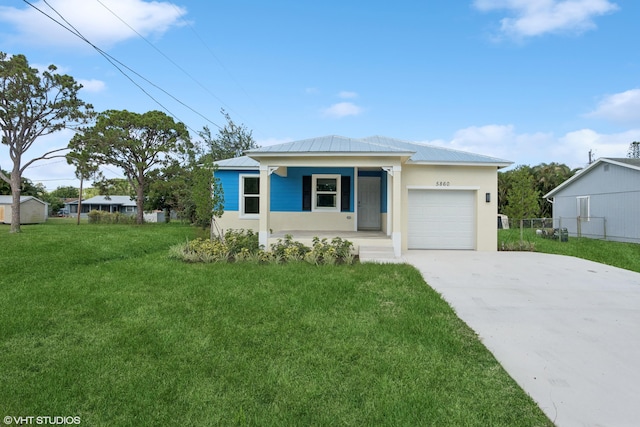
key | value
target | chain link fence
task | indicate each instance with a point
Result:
(591, 227)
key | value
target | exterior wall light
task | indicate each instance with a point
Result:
(487, 197)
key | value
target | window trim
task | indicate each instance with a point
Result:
(241, 196)
(578, 201)
(314, 192)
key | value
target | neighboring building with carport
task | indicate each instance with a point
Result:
(602, 201)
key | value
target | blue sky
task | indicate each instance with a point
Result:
(529, 81)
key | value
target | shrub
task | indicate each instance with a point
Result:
(104, 217)
(243, 246)
(239, 240)
(288, 249)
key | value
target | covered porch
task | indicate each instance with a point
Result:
(374, 208)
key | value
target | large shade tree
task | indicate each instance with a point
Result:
(136, 143)
(33, 104)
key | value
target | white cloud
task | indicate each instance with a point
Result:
(93, 85)
(347, 95)
(342, 109)
(93, 20)
(572, 148)
(621, 107)
(536, 17)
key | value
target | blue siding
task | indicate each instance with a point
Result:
(286, 192)
(230, 181)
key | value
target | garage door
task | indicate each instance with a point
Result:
(441, 219)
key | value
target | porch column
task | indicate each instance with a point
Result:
(265, 187)
(396, 219)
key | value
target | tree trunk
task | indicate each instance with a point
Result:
(79, 201)
(15, 202)
(140, 201)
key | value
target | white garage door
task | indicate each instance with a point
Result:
(441, 219)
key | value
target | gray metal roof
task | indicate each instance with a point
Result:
(328, 144)
(425, 153)
(373, 145)
(243, 162)
(108, 200)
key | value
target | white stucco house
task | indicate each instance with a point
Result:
(409, 195)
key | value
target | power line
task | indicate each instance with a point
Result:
(113, 62)
(214, 56)
(163, 54)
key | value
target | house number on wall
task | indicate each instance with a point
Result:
(442, 183)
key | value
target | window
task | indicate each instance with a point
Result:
(583, 207)
(249, 196)
(308, 194)
(326, 192)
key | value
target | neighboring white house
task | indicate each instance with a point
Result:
(32, 210)
(601, 201)
(417, 196)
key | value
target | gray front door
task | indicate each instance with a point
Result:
(369, 203)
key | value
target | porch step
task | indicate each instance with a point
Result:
(381, 254)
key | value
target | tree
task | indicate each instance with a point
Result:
(27, 187)
(546, 178)
(33, 104)
(232, 140)
(522, 198)
(136, 143)
(67, 192)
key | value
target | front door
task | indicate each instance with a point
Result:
(369, 203)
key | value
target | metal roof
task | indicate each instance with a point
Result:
(107, 200)
(425, 153)
(328, 144)
(373, 146)
(243, 162)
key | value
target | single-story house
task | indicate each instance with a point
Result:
(32, 210)
(416, 196)
(601, 201)
(121, 204)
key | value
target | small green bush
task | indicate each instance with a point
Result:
(104, 217)
(243, 246)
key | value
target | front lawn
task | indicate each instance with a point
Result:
(97, 322)
(617, 254)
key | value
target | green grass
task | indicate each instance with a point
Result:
(617, 254)
(97, 322)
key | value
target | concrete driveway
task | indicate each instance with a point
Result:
(567, 330)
